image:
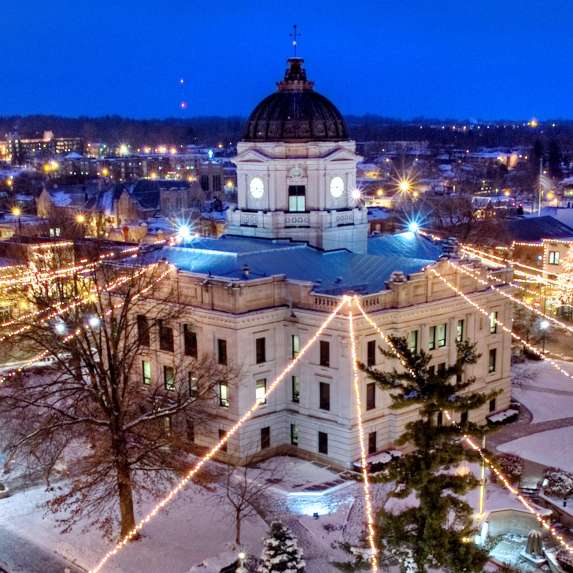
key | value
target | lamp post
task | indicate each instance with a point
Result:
(17, 212)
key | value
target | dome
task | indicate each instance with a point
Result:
(295, 112)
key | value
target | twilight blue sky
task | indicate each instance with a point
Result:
(406, 58)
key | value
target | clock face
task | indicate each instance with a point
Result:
(336, 187)
(257, 187)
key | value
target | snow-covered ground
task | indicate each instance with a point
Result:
(543, 390)
(550, 448)
(197, 526)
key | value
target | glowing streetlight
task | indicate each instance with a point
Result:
(404, 185)
(184, 233)
(60, 328)
(356, 194)
(80, 218)
(94, 321)
(16, 211)
(413, 227)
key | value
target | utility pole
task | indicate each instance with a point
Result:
(540, 186)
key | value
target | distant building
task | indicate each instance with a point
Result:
(24, 150)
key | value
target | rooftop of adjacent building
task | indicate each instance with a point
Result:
(332, 272)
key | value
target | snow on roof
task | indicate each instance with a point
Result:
(61, 198)
(333, 272)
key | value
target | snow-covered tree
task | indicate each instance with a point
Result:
(281, 552)
(96, 405)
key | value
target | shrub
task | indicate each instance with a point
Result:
(510, 465)
(559, 482)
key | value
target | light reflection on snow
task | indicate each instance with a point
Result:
(309, 503)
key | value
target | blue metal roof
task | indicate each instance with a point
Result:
(333, 272)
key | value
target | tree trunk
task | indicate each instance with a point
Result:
(125, 490)
(237, 527)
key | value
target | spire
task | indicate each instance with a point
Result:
(295, 35)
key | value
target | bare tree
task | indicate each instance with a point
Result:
(106, 394)
(244, 486)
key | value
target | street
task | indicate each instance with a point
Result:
(18, 555)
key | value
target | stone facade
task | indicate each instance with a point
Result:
(276, 309)
(326, 222)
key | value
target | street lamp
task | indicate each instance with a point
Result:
(17, 212)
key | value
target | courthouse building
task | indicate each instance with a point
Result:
(296, 243)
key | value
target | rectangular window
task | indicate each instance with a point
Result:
(190, 430)
(413, 341)
(294, 435)
(324, 396)
(492, 405)
(296, 198)
(460, 330)
(165, 337)
(189, 341)
(260, 350)
(193, 385)
(370, 396)
(222, 351)
(324, 353)
(372, 443)
(441, 368)
(146, 372)
(553, 257)
(204, 182)
(323, 443)
(265, 437)
(371, 353)
(222, 435)
(491, 367)
(295, 384)
(294, 345)
(440, 419)
(142, 330)
(216, 183)
(432, 370)
(169, 377)
(223, 393)
(464, 417)
(432, 338)
(442, 335)
(493, 322)
(261, 391)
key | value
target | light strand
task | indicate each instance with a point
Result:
(60, 308)
(488, 257)
(476, 446)
(216, 448)
(512, 298)
(44, 354)
(363, 455)
(515, 336)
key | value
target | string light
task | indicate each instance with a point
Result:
(474, 445)
(512, 298)
(488, 257)
(217, 447)
(39, 357)
(363, 455)
(60, 308)
(504, 328)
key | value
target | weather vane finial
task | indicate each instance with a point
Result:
(295, 35)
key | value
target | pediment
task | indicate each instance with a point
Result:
(251, 155)
(341, 154)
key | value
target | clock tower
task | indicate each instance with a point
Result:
(296, 171)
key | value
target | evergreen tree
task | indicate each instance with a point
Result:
(281, 551)
(438, 531)
(565, 279)
(554, 158)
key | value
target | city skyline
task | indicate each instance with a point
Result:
(416, 60)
